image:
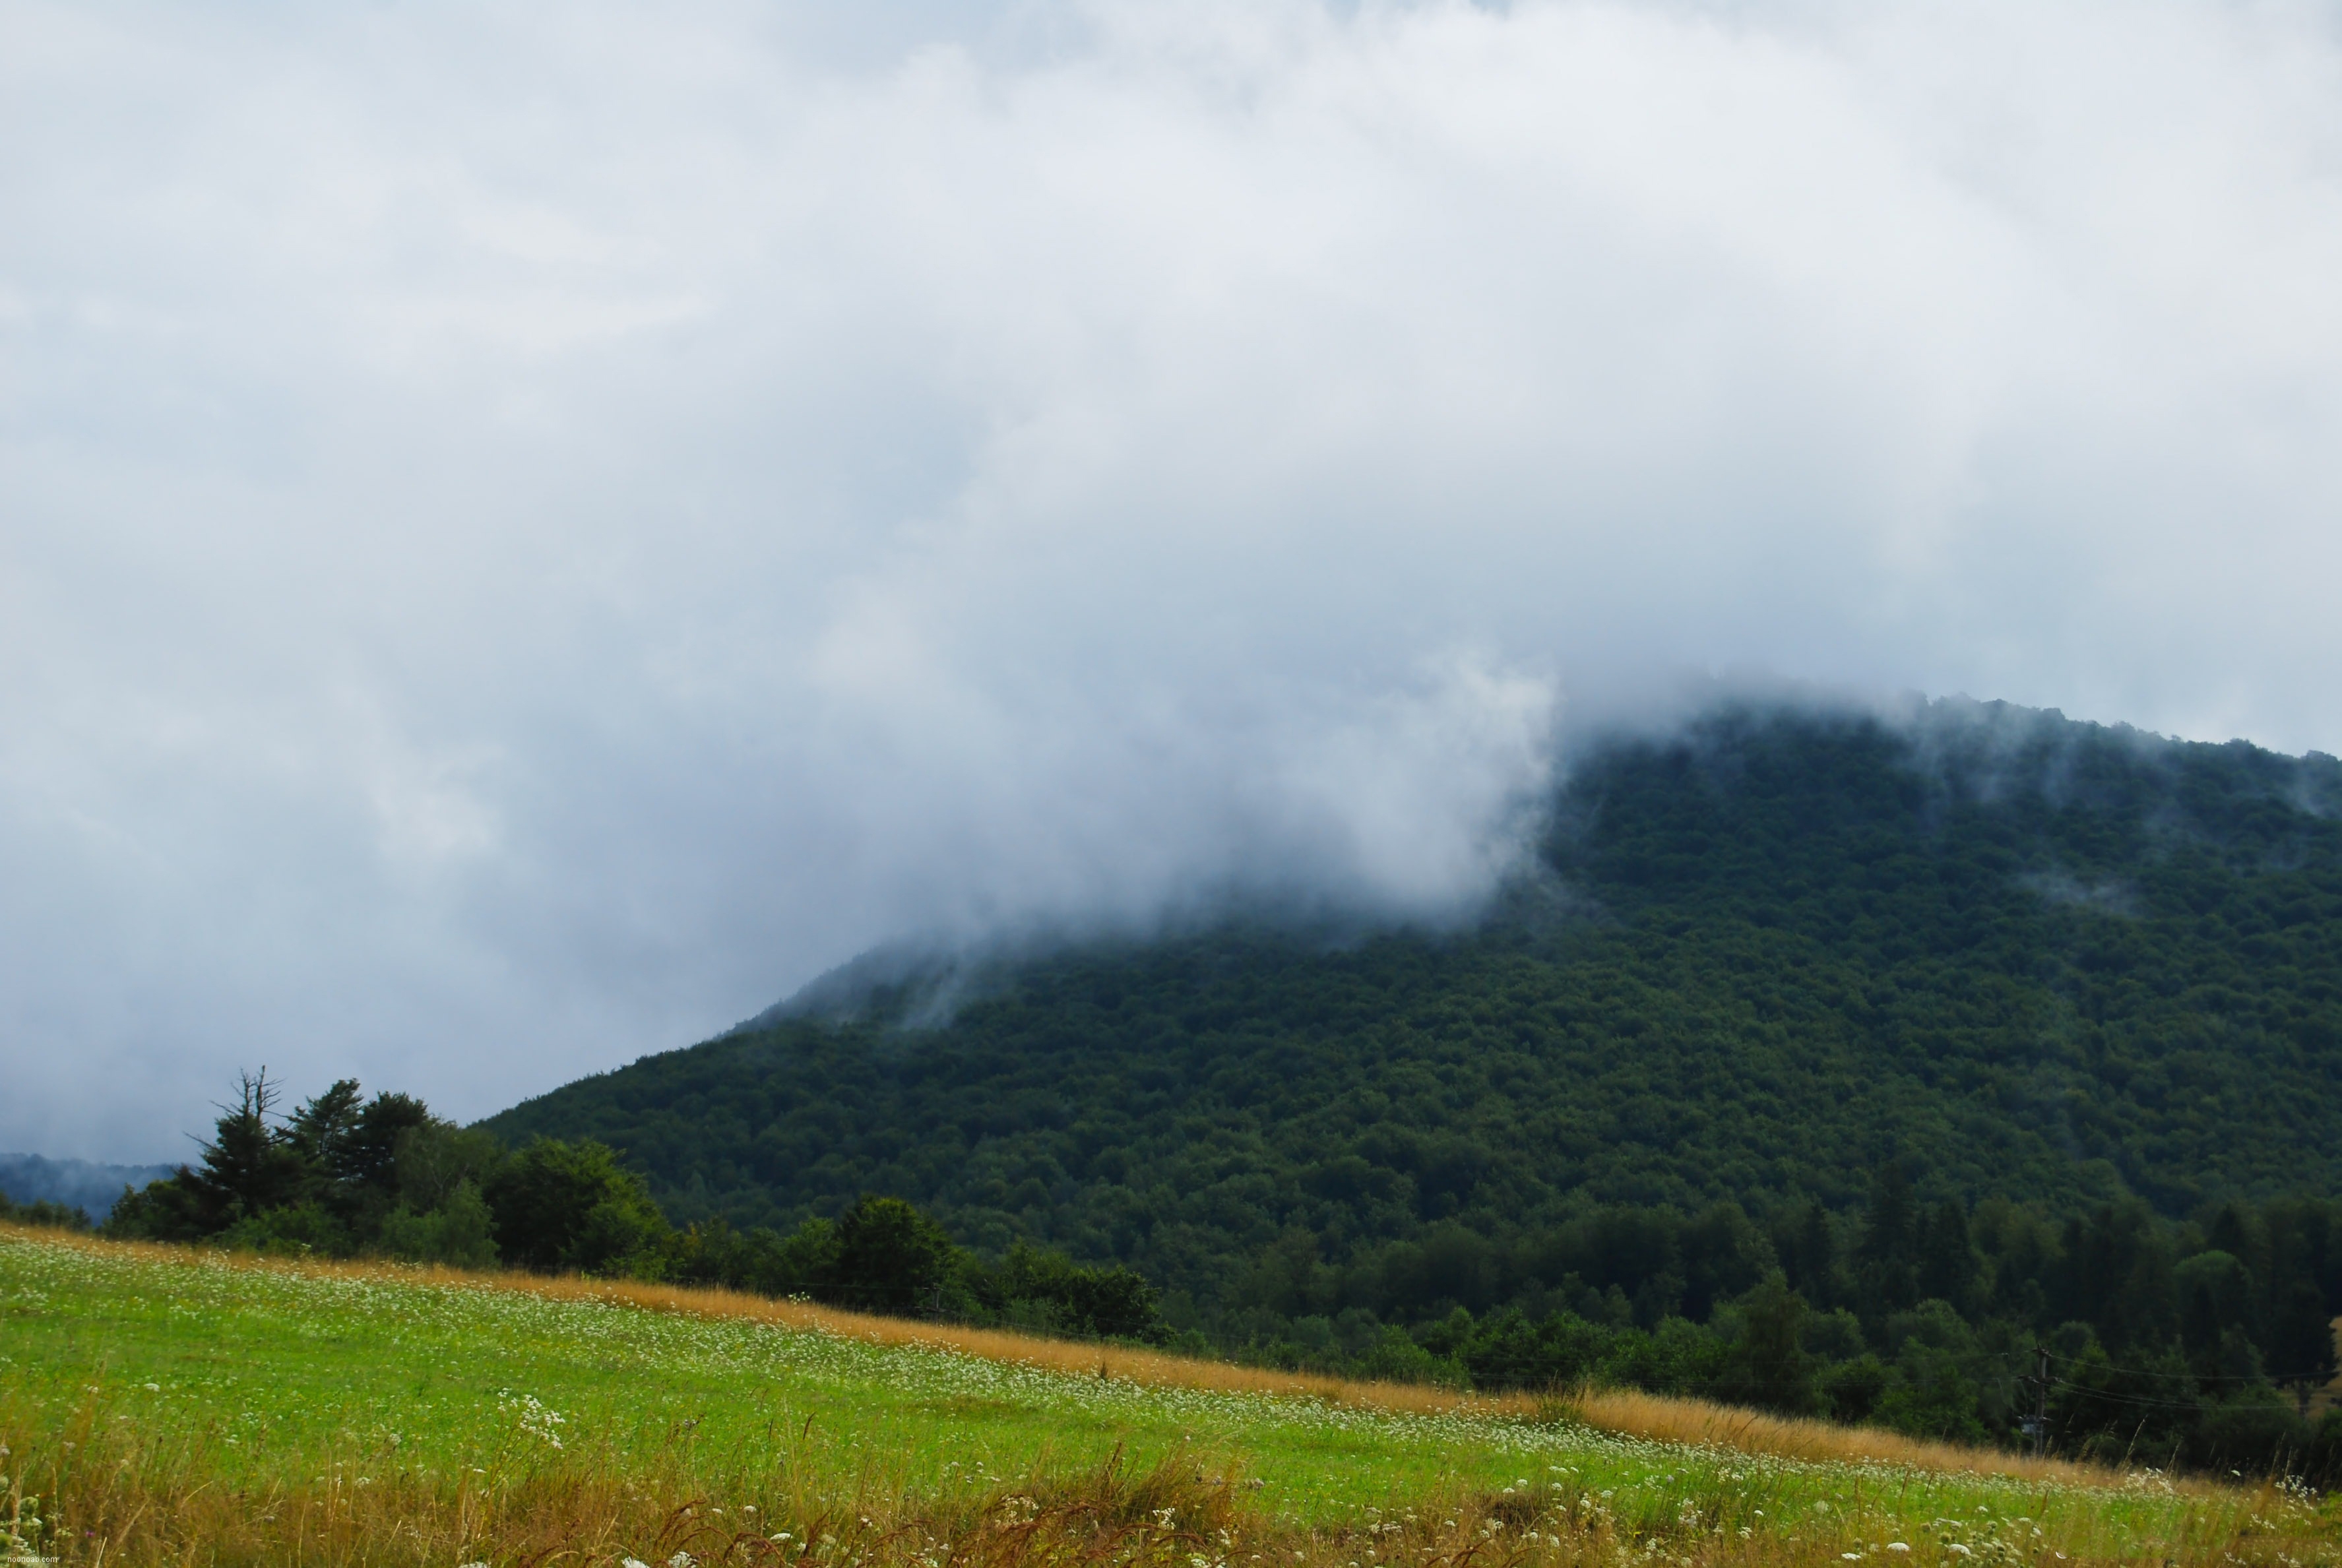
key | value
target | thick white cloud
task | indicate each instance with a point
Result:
(525, 533)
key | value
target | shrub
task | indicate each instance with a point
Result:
(890, 1258)
(559, 1205)
(460, 1231)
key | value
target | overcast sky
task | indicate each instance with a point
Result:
(529, 531)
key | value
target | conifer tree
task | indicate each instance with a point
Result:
(1884, 1258)
(1948, 1264)
(251, 1166)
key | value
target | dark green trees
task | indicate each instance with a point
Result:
(1048, 1291)
(45, 1213)
(883, 1255)
(1948, 1268)
(1768, 1364)
(2301, 1340)
(251, 1167)
(563, 1206)
(347, 1174)
(890, 1259)
(342, 1174)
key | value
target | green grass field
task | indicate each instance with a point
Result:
(207, 1389)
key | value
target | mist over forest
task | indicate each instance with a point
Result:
(526, 540)
(1949, 1067)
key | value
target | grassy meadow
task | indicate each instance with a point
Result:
(173, 1406)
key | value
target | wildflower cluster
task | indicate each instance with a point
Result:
(530, 1415)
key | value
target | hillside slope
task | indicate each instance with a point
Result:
(174, 1406)
(1757, 958)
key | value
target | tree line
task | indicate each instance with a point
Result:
(43, 1212)
(2201, 1343)
(2197, 1344)
(345, 1175)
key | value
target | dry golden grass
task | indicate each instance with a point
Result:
(112, 1496)
(1664, 1418)
(1623, 1411)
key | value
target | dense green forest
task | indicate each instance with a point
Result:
(2075, 988)
(342, 1175)
(2031, 959)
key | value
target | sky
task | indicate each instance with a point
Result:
(528, 533)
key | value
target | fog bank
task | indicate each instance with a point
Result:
(524, 536)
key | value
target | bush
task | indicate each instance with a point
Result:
(1051, 1293)
(1507, 1352)
(292, 1229)
(557, 1205)
(2256, 1430)
(1768, 1365)
(1395, 1358)
(890, 1259)
(1678, 1356)
(1852, 1389)
(460, 1231)
(44, 1213)
(1931, 1397)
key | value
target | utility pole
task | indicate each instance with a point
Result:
(2036, 1425)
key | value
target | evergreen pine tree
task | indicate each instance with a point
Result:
(251, 1166)
(1948, 1264)
(322, 1128)
(1885, 1274)
(1808, 1252)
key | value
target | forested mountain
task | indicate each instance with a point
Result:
(2048, 974)
(2034, 958)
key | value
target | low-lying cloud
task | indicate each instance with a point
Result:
(525, 534)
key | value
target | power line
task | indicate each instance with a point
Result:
(2129, 1399)
(2154, 1372)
